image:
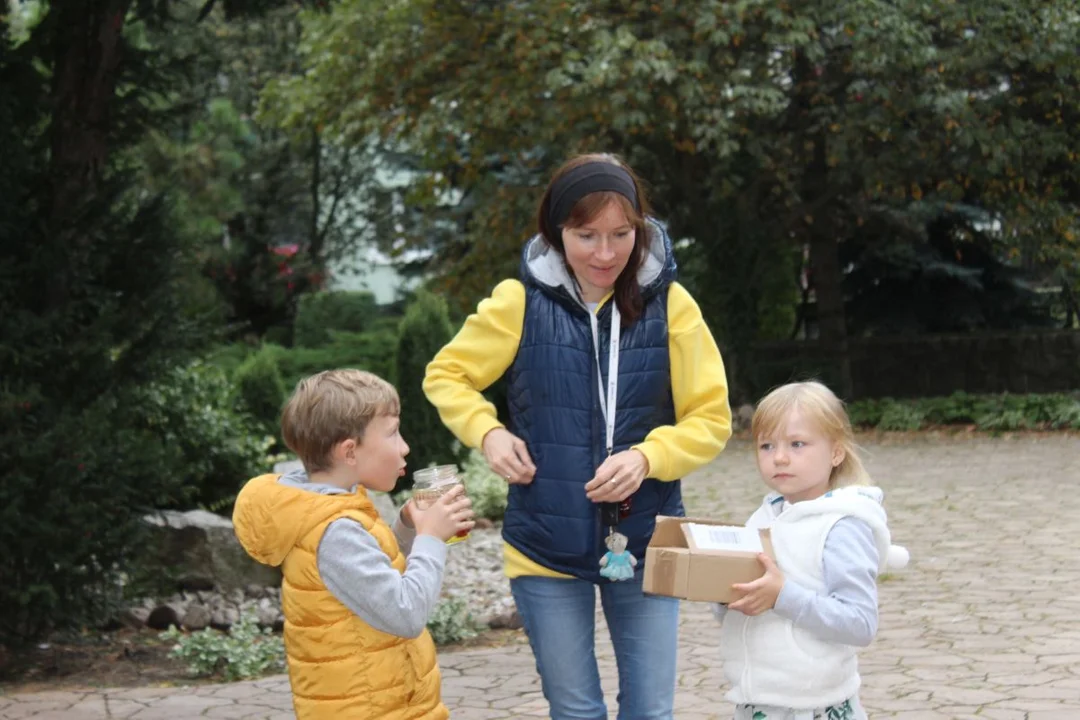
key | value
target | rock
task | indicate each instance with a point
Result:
(267, 616)
(224, 619)
(196, 581)
(197, 617)
(474, 574)
(200, 549)
(484, 524)
(742, 417)
(165, 616)
(509, 621)
(134, 617)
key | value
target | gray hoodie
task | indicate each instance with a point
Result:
(358, 573)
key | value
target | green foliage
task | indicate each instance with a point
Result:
(320, 313)
(267, 210)
(899, 416)
(486, 490)
(244, 652)
(424, 331)
(196, 411)
(760, 127)
(262, 388)
(937, 267)
(94, 315)
(72, 501)
(372, 350)
(230, 356)
(451, 622)
(986, 412)
(866, 413)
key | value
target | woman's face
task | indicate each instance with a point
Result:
(598, 251)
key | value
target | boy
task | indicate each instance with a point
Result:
(355, 611)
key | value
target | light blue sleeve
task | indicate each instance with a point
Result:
(847, 613)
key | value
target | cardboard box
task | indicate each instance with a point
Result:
(678, 565)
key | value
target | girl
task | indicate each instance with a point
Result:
(789, 643)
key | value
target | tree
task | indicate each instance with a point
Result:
(945, 275)
(267, 209)
(92, 314)
(788, 124)
(424, 330)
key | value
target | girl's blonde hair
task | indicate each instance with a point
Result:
(820, 407)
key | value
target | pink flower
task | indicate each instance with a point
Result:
(286, 250)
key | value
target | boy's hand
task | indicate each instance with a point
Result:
(450, 514)
(760, 595)
(406, 514)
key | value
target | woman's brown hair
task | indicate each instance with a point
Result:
(627, 292)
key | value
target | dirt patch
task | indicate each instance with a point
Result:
(125, 658)
(134, 658)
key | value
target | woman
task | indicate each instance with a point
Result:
(616, 389)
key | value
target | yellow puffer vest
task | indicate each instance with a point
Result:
(339, 666)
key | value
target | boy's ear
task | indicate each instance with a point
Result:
(345, 451)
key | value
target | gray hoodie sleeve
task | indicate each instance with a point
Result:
(358, 573)
(405, 535)
(848, 612)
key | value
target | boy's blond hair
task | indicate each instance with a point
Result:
(331, 407)
(820, 406)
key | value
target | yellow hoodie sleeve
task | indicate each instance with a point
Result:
(700, 393)
(477, 356)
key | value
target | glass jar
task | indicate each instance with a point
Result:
(432, 483)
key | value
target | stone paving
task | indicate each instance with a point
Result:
(983, 624)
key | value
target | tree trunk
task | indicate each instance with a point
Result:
(824, 247)
(86, 41)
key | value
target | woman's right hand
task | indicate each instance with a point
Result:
(507, 455)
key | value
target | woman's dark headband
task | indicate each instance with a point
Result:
(584, 180)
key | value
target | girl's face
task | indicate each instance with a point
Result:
(798, 460)
(598, 251)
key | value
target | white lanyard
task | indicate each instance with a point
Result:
(608, 408)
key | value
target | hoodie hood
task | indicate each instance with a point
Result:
(859, 501)
(542, 266)
(272, 513)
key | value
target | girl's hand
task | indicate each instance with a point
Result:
(761, 594)
(507, 455)
(618, 477)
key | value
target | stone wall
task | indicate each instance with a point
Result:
(933, 365)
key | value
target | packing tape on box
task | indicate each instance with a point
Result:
(665, 569)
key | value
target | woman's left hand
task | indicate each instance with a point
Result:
(618, 477)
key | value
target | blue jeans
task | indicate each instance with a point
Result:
(559, 617)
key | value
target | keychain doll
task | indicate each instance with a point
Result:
(617, 563)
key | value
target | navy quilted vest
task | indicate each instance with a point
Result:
(554, 407)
